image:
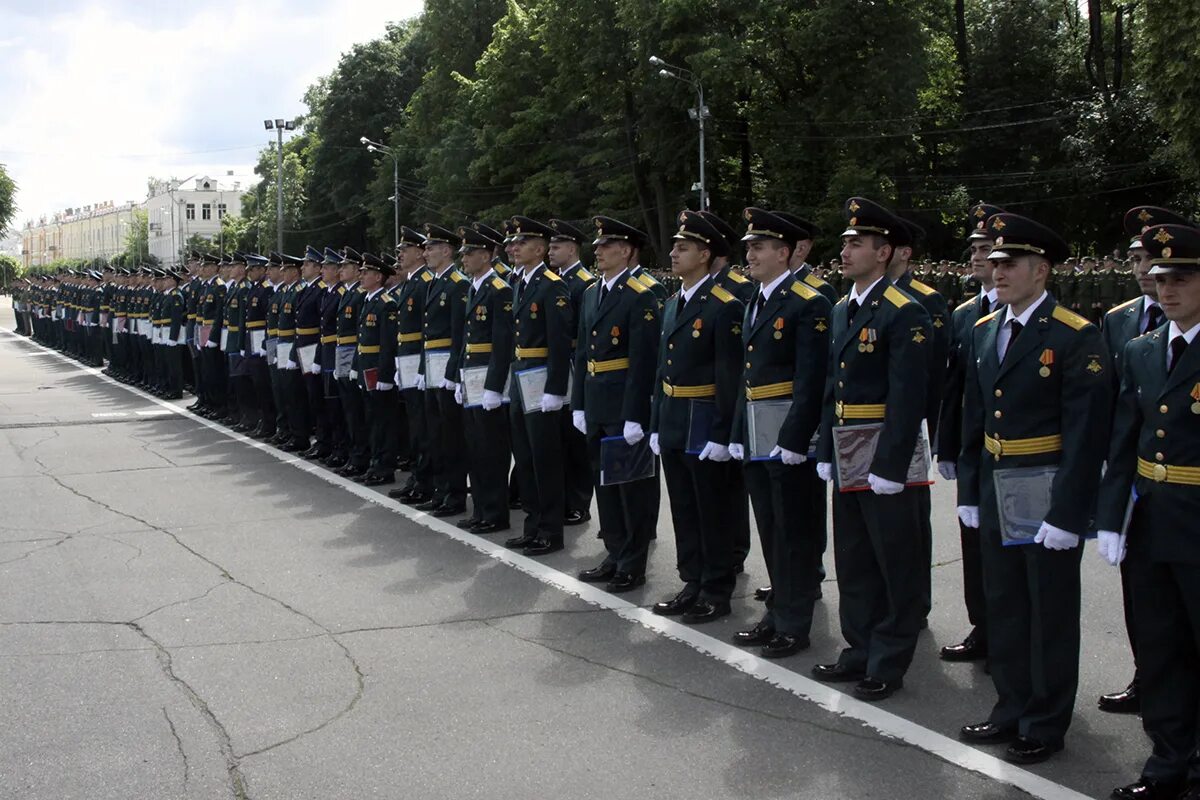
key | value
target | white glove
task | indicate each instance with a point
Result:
(579, 420)
(314, 369)
(492, 400)
(210, 343)
(353, 374)
(969, 516)
(458, 393)
(788, 457)
(445, 384)
(420, 382)
(654, 448)
(384, 387)
(737, 451)
(552, 402)
(948, 470)
(633, 433)
(883, 485)
(825, 471)
(1053, 538)
(715, 452)
(1112, 546)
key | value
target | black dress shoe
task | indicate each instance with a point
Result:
(542, 547)
(465, 524)
(290, 447)
(378, 480)
(836, 673)
(783, 645)
(973, 648)
(873, 690)
(601, 574)
(491, 527)
(416, 499)
(577, 517)
(430, 505)
(1148, 790)
(761, 593)
(335, 462)
(705, 611)
(986, 733)
(624, 582)
(1128, 701)
(520, 542)
(402, 493)
(352, 471)
(759, 634)
(448, 511)
(514, 504)
(679, 604)
(1030, 751)
(405, 465)
(172, 395)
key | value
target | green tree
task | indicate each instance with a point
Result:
(10, 270)
(137, 238)
(8, 198)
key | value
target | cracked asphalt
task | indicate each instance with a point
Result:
(186, 616)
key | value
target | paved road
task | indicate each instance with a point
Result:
(186, 614)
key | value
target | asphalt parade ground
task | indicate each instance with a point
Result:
(186, 613)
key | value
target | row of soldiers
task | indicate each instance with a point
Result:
(754, 394)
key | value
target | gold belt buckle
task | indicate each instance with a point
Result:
(838, 408)
(1160, 472)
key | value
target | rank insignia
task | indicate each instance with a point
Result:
(508, 306)
(736, 330)
(918, 337)
(649, 316)
(561, 302)
(1047, 358)
(937, 323)
(821, 326)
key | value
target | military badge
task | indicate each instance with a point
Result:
(1195, 395)
(778, 326)
(1047, 358)
(866, 340)
(696, 326)
(615, 333)
(821, 326)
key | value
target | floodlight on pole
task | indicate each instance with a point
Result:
(279, 125)
(376, 147)
(698, 113)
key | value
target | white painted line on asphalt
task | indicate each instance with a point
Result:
(828, 698)
(109, 414)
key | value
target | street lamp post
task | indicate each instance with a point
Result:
(375, 147)
(698, 113)
(279, 125)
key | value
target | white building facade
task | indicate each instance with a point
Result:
(177, 210)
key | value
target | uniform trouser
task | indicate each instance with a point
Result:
(246, 395)
(314, 391)
(489, 456)
(628, 511)
(789, 507)
(401, 436)
(295, 398)
(1168, 626)
(578, 477)
(199, 375)
(264, 398)
(147, 349)
(737, 513)
(925, 504)
(158, 376)
(359, 435)
(538, 453)
(878, 553)
(973, 595)
(703, 546)
(448, 447)
(1130, 616)
(420, 480)
(331, 394)
(1033, 609)
(173, 358)
(279, 401)
(380, 408)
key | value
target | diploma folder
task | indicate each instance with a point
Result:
(854, 450)
(621, 462)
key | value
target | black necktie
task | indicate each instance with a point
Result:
(471, 294)
(603, 294)
(1016, 331)
(758, 305)
(1154, 318)
(985, 305)
(851, 309)
(1178, 345)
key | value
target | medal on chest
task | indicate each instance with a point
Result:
(866, 340)
(1195, 395)
(1046, 359)
(616, 335)
(696, 326)
(778, 326)
(533, 310)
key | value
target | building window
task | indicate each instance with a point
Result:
(191, 210)
(220, 211)
(206, 211)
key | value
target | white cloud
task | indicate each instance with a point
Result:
(99, 96)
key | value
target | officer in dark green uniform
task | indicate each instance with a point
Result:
(1121, 325)
(1036, 395)
(563, 257)
(486, 354)
(695, 392)
(295, 437)
(878, 373)
(949, 435)
(310, 397)
(1154, 466)
(241, 389)
(331, 268)
(614, 380)
(410, 312)
(543, 331)
(375, 366)
(174, 310)
(257, 301)
(210, 307)
(785, 332)
(442, 329)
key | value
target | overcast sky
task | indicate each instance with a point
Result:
(98, 95)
